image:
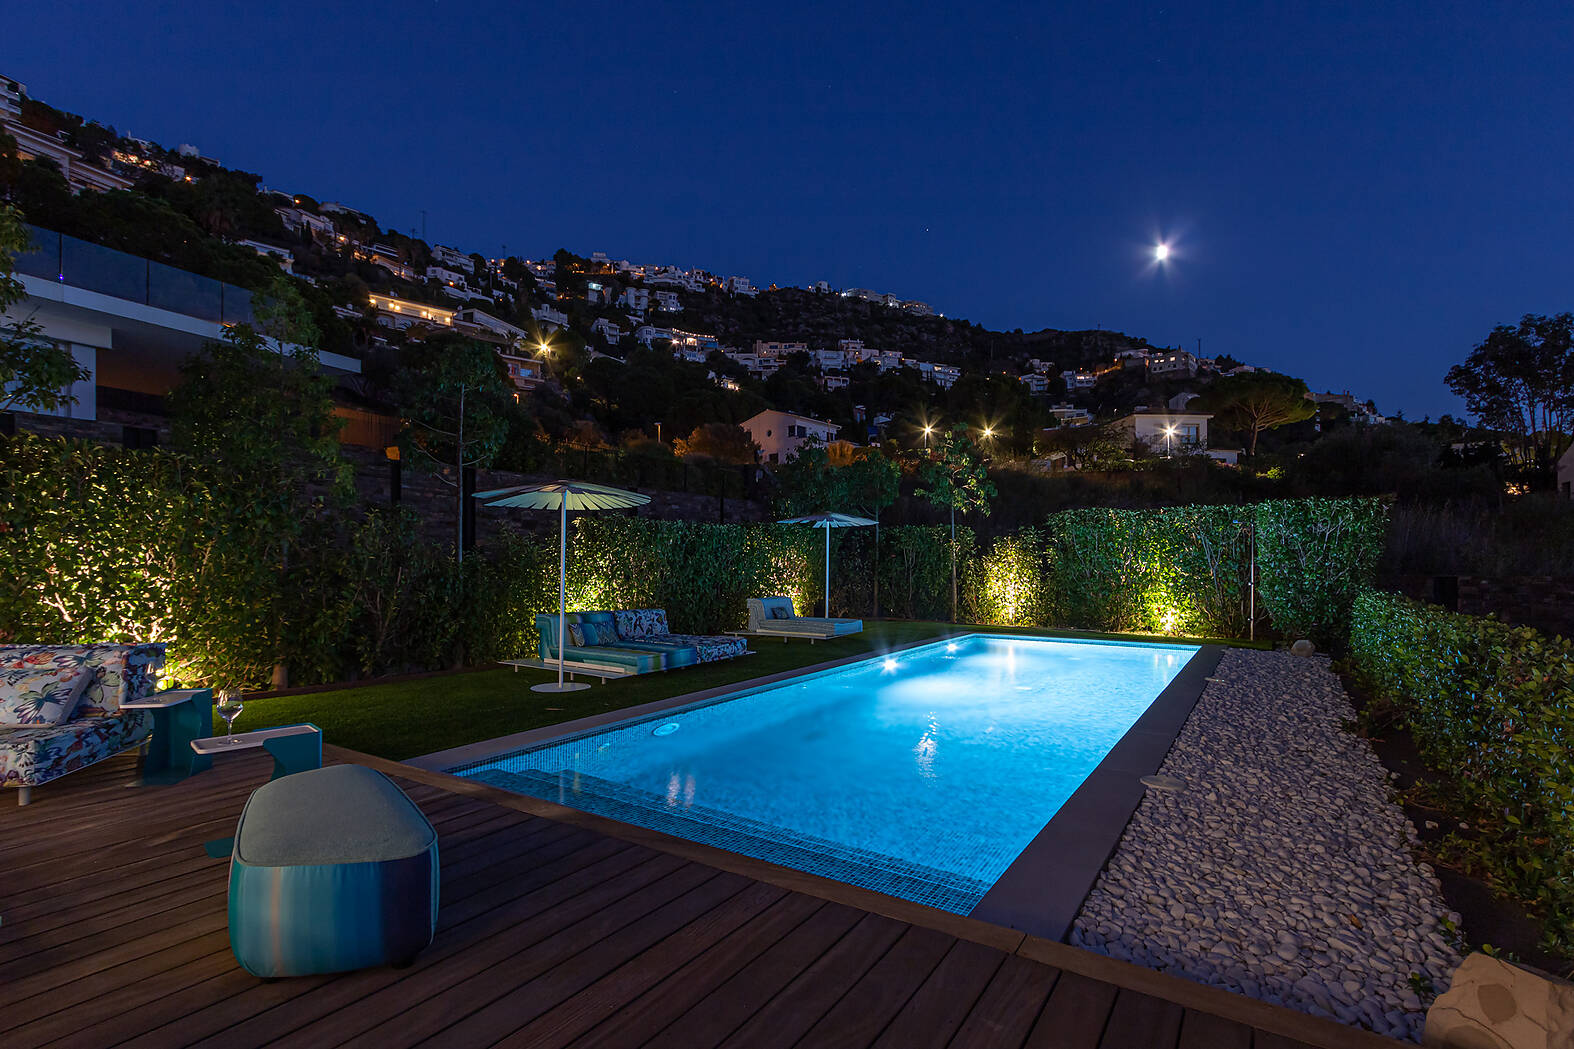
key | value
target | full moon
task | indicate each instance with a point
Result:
(1161, 252)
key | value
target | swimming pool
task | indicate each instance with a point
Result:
(922, 774)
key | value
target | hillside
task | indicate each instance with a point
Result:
(801, 315)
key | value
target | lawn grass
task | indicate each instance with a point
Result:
(404, 719)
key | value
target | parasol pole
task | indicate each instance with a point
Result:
(827, 570)
(562, 585)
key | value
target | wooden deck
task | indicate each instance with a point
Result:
(553, 932)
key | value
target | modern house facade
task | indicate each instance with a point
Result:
(781, 434)
(1167, 433)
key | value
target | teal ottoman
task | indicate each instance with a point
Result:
(333, 869)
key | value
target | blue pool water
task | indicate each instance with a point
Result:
(922, 774)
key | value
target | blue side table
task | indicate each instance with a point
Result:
(179, 717)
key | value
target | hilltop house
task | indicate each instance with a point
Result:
(1566, 474)
(479, 320)
(402, 313)
(781, 434)
(1167, 432)
(1174, 363)
(549, 318)
(453, 257)
(524, 372)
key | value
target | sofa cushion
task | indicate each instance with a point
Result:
(709, 648)
(41, 696)
(120, 672)
(673, 654)
(605, 627)
(636, 623)
(30, 756)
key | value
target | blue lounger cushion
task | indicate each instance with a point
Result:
(333, 869)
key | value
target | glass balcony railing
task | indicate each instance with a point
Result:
(80, 264)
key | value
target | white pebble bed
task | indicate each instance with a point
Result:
(1282, 869)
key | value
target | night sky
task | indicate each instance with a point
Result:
(1354, 193)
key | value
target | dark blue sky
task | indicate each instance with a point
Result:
(1355, 192)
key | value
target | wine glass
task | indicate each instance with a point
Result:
(229, 708)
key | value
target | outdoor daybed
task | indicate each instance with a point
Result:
(774, 617)
(60, 707)
(636, 640)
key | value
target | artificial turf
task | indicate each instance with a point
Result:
(406, 718)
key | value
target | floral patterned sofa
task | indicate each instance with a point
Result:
(650, 625)
(636, 639)
(94, 729)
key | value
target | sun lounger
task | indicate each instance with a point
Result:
(774, 617)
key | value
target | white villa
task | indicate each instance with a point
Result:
(1167, 432)
(781, 434)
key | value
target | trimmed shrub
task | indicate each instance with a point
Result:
(1492, 707)
(1184, 570)
(1313, 557)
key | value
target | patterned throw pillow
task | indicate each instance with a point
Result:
(576, 634)
(778, 612)
(41, 697)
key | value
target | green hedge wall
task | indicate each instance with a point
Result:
(1492, 706)
(102, 544)
(1184, 570)
(105, 544)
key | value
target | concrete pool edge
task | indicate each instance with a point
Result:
(1042, 890)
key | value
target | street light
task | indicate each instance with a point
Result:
(928, 429)
(1169, 433)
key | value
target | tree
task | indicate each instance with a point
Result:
(867, 485)
(723, 442)
(257, 410)
(1520, 380)
(35, 373)
(954, 477)
(455, 401)
(1257, 401)
(1082, 446)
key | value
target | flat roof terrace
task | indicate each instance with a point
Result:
(557, 928)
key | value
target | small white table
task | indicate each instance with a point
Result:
(295, 748)
(250, 740)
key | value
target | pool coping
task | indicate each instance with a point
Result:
(1042, 890)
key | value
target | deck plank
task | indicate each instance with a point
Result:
(552, 932)
(938, 1008)
(1141, 1019)
(1075, 1014)
(686, 986)
(1005, 1012)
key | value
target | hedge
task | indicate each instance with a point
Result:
(103, 544)
(1185, 570)
(1492, 706)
